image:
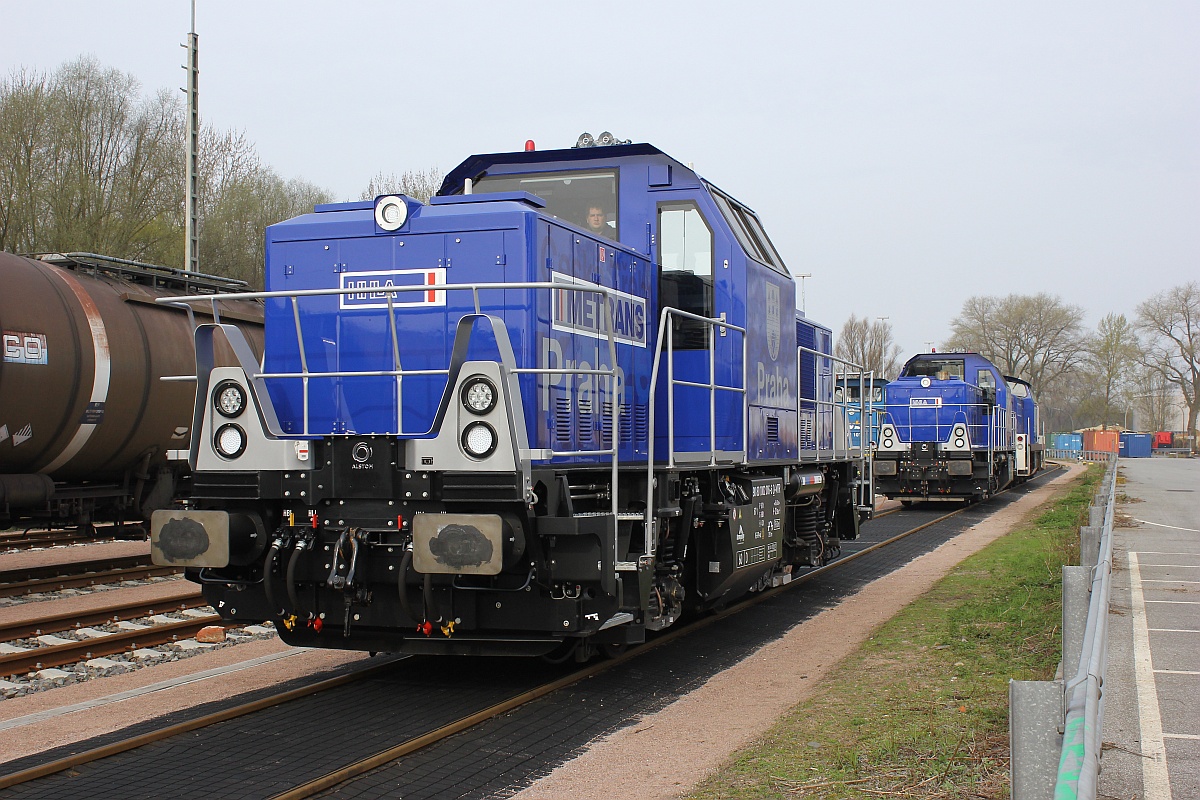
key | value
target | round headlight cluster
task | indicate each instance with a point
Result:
(229, 398)
(478, 395)
(391, 212)
(229, 441)
(479, 440)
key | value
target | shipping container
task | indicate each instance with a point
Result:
(1101, 441)
(1066, 441)
(1136, 445)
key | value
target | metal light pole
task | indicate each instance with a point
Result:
(191, 236)
(802, 276)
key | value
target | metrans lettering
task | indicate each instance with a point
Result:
(582, 312)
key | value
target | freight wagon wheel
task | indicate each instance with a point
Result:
(906, 503)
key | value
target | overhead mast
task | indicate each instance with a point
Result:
(191, 255)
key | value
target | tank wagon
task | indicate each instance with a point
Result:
(87, 427)
(563, 404)
(954, 427)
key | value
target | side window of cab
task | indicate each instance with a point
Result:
(986, 382)
(686, 270)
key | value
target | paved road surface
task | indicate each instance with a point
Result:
(1152, 701)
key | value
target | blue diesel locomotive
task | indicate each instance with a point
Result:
(561, 405)
(954, 427)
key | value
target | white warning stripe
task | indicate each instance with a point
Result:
(102, 373)
(1155, 780)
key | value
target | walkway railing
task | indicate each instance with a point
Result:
(1055, 727)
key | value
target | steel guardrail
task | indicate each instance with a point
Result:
(1056, 727)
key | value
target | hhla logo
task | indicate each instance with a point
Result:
(773, 330)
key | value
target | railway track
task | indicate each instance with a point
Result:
(33, 539)
(74, 575)
(487, 708)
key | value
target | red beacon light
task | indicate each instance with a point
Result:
(530, 146)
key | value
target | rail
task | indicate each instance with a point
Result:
(1055, 727)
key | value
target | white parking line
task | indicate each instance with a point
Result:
(1173, 630)
(1177, 602)
(1176, 672)
(1156, 783)
(1174, 566)
(1166, 580)
(1160, 553)
(1191, 736)
(1160, 525)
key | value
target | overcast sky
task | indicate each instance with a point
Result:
(907, 155)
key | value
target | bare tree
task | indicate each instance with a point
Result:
(1110, 354)
(1153, 400)
(1034, 337)
(89, 164)
(1171, 321)
(870, 345)
(232, 231)
(418, 184)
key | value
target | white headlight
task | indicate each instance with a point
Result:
(390, 212)
(960, 442)
(479, 440)
(230, 441)
(478, 395)
(229, 398)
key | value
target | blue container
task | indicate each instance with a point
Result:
(1137, 445)
(1066, 441)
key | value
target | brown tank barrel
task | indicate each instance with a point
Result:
(83, 352)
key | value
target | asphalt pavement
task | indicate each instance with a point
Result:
(1152, 684)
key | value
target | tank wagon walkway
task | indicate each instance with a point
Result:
(1151, 716)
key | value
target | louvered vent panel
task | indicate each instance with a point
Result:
(562, 419)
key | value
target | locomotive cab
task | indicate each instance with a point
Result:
(563, 404)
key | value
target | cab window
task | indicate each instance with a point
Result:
(943, 369)
(686, 270)
(748, 230)
(587, 198)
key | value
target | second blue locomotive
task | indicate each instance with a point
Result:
(559, 406)
(954, 427)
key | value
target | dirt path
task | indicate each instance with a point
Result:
(667, 753)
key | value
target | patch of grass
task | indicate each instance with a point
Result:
(921, 709)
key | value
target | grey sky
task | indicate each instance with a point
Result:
(908, 155)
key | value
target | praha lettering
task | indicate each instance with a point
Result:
(773, 386)
(593, 389)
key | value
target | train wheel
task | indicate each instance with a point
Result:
(613, 650)
(563, 653)
(906, 503)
